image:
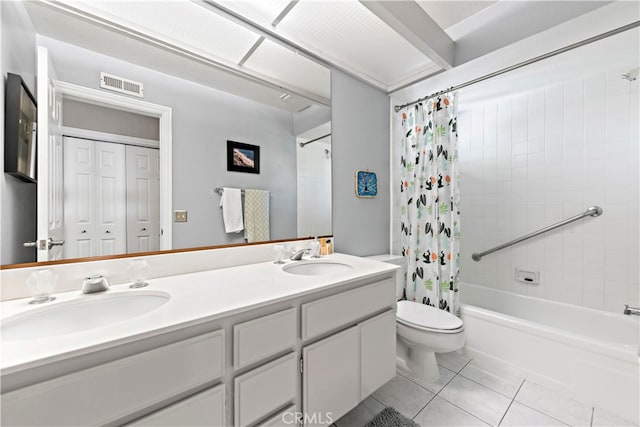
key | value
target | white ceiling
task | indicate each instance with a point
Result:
(286, 46)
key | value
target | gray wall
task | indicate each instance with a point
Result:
(310, 118)
(18, 208)
(102, 119)
(360, 140)
(203, 120)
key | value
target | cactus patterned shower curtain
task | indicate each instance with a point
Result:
(430, 215)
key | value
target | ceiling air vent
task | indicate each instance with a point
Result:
(118, 84)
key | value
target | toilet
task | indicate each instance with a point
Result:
(421, 331)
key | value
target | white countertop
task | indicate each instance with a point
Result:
(195, 298)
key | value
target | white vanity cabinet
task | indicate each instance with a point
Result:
(343, 369)
(309, 358)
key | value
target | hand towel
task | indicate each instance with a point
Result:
(256, 215)
(231, 203)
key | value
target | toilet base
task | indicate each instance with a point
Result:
(417, 363)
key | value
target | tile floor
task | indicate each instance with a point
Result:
(472, 392)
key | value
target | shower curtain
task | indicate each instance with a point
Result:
(429, 208)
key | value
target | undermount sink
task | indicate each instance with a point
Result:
(316, 268)
(81, 314)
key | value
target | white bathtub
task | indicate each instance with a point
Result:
(591, 354)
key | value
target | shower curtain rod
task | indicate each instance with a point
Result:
(302, 144)
(527, 62)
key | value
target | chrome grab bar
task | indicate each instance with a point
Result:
(591, 211)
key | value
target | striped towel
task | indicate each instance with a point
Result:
(256, 215)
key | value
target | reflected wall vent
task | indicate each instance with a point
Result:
(119, 84)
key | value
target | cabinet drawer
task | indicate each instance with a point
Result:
(330, 313)
(260, 338)
(285, 418)
(108, 392)
(263, 390)
(203, 409)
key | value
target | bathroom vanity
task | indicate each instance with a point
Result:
(249, 345)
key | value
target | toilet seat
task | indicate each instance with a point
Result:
(427, 318)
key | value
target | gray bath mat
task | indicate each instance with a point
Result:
(389, 417)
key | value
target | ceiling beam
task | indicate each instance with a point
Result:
(275, 23)
(409, 20)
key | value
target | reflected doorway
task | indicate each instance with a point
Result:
(111, 197)
(313, 154)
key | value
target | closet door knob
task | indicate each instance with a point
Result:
(108, 232)
(144, 229)
(83, 231)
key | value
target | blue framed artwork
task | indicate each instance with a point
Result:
(366, 183)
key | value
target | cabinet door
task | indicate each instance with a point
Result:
(331, 377)
(203, 409)
(377, 352)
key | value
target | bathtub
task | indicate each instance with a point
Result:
(591, 354)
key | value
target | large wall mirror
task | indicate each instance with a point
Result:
(222, 81)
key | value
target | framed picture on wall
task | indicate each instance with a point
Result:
(243, 157)
(20, 130)
(366, 184)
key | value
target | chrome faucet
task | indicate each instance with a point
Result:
(631, 310)
(297, 256)
(94, 284)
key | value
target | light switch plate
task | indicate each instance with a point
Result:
(179, 216)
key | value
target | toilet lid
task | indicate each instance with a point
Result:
(425, 316)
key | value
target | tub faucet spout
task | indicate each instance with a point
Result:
(631, 310)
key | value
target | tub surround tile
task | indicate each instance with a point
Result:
(361, 414)
(476, 399)
(602, 418)
(552, 144)
(454, 361)
(404, 395)
(520, 415)
(498, 378)
(554, 404)
(435, 386)
(439, 412)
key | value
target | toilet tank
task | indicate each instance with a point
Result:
(400, 274)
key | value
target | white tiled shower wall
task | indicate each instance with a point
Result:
(314, 188)
(534, 158)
